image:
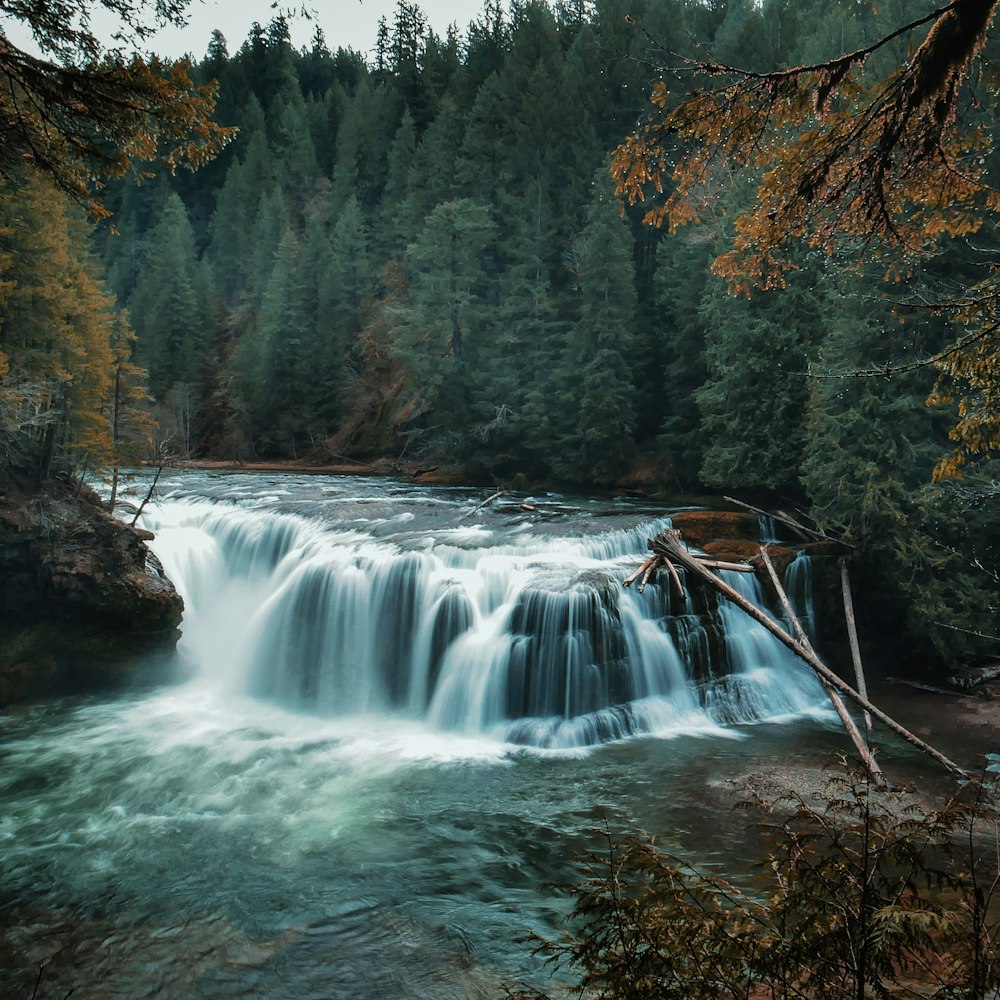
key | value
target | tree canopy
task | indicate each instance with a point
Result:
(851, 159)
(81, 112)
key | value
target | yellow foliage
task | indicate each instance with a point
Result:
(61, 340)
(81, 125)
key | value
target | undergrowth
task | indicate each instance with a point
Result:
(861, 894)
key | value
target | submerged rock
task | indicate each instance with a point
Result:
(84, 604)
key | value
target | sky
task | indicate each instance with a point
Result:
(345, 23)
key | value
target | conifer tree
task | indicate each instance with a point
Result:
(274, 358)
(58, 335)
(432, 176)
(681, 276)
(291, 144)
(232, 236)
(519, 402)
(600, 351)
(363, 143)
(392, 231)
(165, 307)
(442, 333)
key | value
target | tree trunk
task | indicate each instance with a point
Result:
(668, 545)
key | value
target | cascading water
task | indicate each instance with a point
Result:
(346, 799)
(798, 585)
(517, 632)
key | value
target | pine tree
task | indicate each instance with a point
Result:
(165, 307)
(392, 232)
(291, 143)
(432, 177)
(600, 352)
(58, 334)
(232, 238)
(681, 275)
(274, 358)
(442, 333)
(519, 400)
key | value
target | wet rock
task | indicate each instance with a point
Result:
(82, 600)
(699, 528)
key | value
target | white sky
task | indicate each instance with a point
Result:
(346, 23)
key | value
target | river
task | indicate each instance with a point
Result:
(405, 717)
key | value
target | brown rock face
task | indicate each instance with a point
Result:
(83, 602)
(700, 527)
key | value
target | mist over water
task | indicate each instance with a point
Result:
(405, 718)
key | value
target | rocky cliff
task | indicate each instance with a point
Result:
(84, 604)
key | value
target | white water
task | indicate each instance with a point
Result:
(405, 721)
(473, 626)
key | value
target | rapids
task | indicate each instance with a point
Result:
(404, 717)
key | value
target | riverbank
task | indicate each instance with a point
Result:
(438, 474)
(962, 727)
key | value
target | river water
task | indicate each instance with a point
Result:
(405, 718)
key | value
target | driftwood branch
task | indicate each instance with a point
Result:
(668, 545)
(790, 522)
(805, 533)
(479, 507)
(149, 492)
(648, 575)
(632, 577)
(720, 564)
(647, 572)
(920, 686)
(353, 461)
(678, 586)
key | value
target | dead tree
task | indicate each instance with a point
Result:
(669, 551)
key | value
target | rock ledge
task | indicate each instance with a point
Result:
(84, 604)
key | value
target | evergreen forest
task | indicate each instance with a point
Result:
(417, 254)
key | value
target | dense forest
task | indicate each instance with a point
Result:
(419, 256)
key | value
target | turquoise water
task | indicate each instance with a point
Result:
(229, 838)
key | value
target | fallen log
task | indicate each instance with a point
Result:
(864, 751)
(920, 686)
(976, 677)
(651, 567)
(721, 564)
(675, 577)
(668, 545)
(805, 534)
(641, 571)
(852, 636)
(790, 522)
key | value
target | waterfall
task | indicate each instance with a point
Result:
(767, 528)
(799, 587)
(524, 636)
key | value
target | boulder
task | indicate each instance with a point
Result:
(84, 604)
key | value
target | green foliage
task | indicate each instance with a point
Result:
(444, 327)
(862, 894)
(168, 316)
(414, 255)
